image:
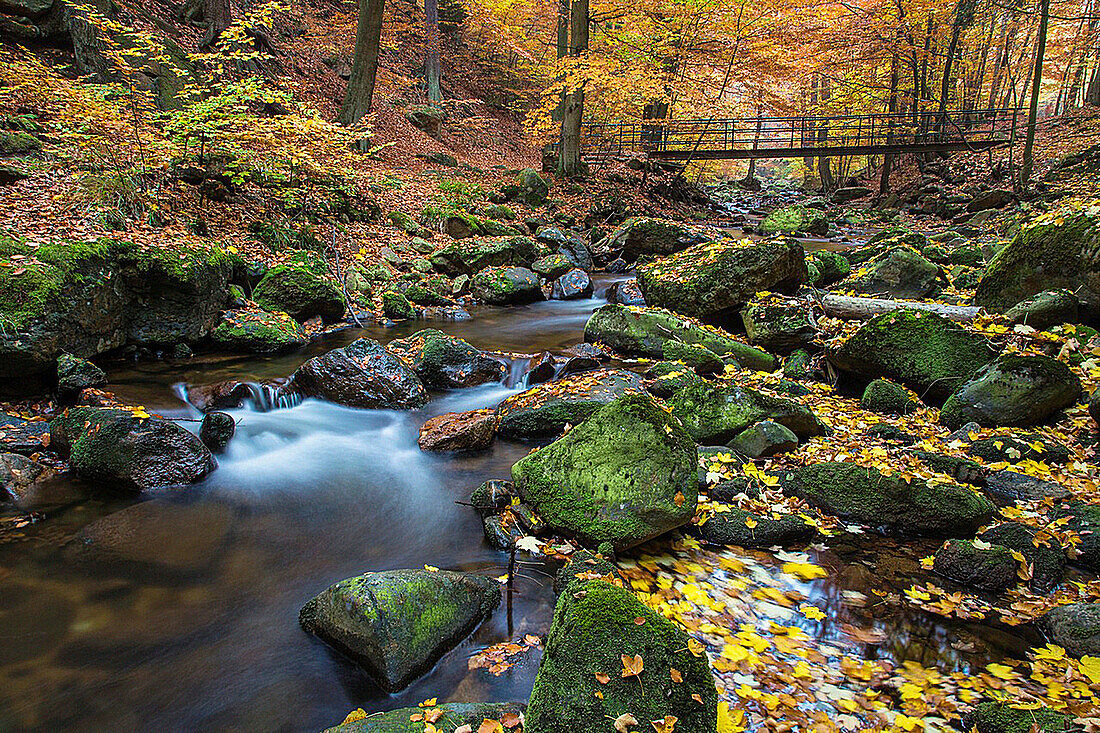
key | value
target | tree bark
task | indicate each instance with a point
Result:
(1033, 111)
(855, 308)
(824, 169)
(218, 15)
(368, 35)
(570, 163)
(432, 73)
(892, 108)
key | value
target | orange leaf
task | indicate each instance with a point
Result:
(632, 666)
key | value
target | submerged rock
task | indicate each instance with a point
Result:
(572, 285)
(545, 409)
(717, 277)
(19, 435)
(459, 431)
(397, 624)
(118, 449)
(1015, 390)
(216, 430)
(361, 374)
(624, 475)
(864, 494)
(1074, 627)
(595, 627)
(446, 361)
(924, 351)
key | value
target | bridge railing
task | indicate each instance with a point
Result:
(800, 133)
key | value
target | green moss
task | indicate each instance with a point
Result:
(832, 266)
(1001, 717)
(545, 409)
(882, 395)
(794, 220)
(453, 715)
(298, 286)
(594, 625)
(397, 306)
(18, 143)
(1015, 390)
(468, 256)
(261, 332)
(693, 356)
(716, 413)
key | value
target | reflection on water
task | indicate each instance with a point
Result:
(182, 615)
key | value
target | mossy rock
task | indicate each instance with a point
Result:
(532, 189)
(585, 565)
(962, 470)
(1013, 391)
(1045, 309)
(506, 286)
(18, 143)
(882, 395)
(868, 496)
(898, 272)
(694, 356)
(796, 220)
(300, 289)
(1051, 252)
(452, 716)
(646, 237)
(1020, 447)
(258, 332)
(989, 568)
(666, 378)
(461, 225)
(924, 351)
(716, 277)
(643, 332)
(799, 365)
(545, 409)
(779, 327)
(1002, 717)
(397, 624)
(833, 266)
(421, 295)
(1084, 519)
(397, 307)
(1046, 560)
(740, 528)
(625, 475)
(1074, 627)
(765, 438)
(594, 626)
(552, 266)
(75, 374)
(470, 256)
(446, 361)
(716, 413)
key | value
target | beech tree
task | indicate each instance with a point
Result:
(570, 163)
(368, 35)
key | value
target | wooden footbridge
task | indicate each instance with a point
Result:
(797, 137)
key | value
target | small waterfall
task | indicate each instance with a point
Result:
(268, 397)
(517, 372)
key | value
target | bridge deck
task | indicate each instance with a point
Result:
(796, 137)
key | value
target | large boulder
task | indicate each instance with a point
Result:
(716, 413)
(397, 624)
(1044, 556)
(990, 568)
(1015, 390)
(302, 289)
(450, 716)
(459, 431)
(533, 188)
(86, 298)
(545, 409)
(1074, 627)
(623, 476)
(882, 395)
(572, 285)
(1053, 251)
(1045, 309)
(738, 527)
(447, 361)
(780, 326)
(796, 220)
(640, 236)
(507, 285)
(75, 374)
(361, 374)
(715, 277)
(866, 495)
(596, 627)
(258, 332)
(128, 449)
(646, 331)
(465, 257)
(899, 272)
(924, 351)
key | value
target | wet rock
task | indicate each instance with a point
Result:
(572, 285)
(457, 714)
(19, 435)
(717, 277)
(1014, 390)
(467, 257)
(543, 368)
(18, 474)
(361, 374)
(1019, 447)
(216, 430)
(447, 362)
(995, 198)
(302, 291)
(595, 625)
(644, 331)
(506, 286)
(459, 431)
(796, 220)
(156, 537)
(1094, 407)
(891, 434)
(961, 469)
(765, 438)
(492, 495)
(733, 528)
(75, 374)
(576, 252)
(583, 566)
(1053, 251)
(552, 266)
(899, 272)
(578, 365)
(1046, 561)
(872, 498)
(640, 236)
(666, 378)
(990, 568)
(1074, 627)
(502, 530)
(588, 351)
(832, 266)
(398, 624)
(1045, 309)
(1085, 521)
(624, 475)
(626, 292)
(850, 193)
(117, 449)
(779, 327)
(714, 413)
(258, 332)
(1010, 486)
(926, 352)
(544, 410)
(1001, 717)
(882, 395)
(218, 396)
(397, 307)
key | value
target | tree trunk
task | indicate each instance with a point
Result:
(1092, 95)
(856, 308)
(562, 49)
(824, 170)
(1033, 111)
(808, 160)
(432, 72)
(218, 15)
(360, 90)
(892, 108)
(570, 163)
(963, 13)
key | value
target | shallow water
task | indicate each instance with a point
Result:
(197, 627)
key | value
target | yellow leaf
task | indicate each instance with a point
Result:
(1001, 671)
(812, 612)
(632, 666)
(666, 725)
(355, 715)
(1090, 667)
(803, 570)
(730, 722)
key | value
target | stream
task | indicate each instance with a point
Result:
(197, 628)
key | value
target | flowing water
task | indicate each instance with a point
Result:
(192, 624)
